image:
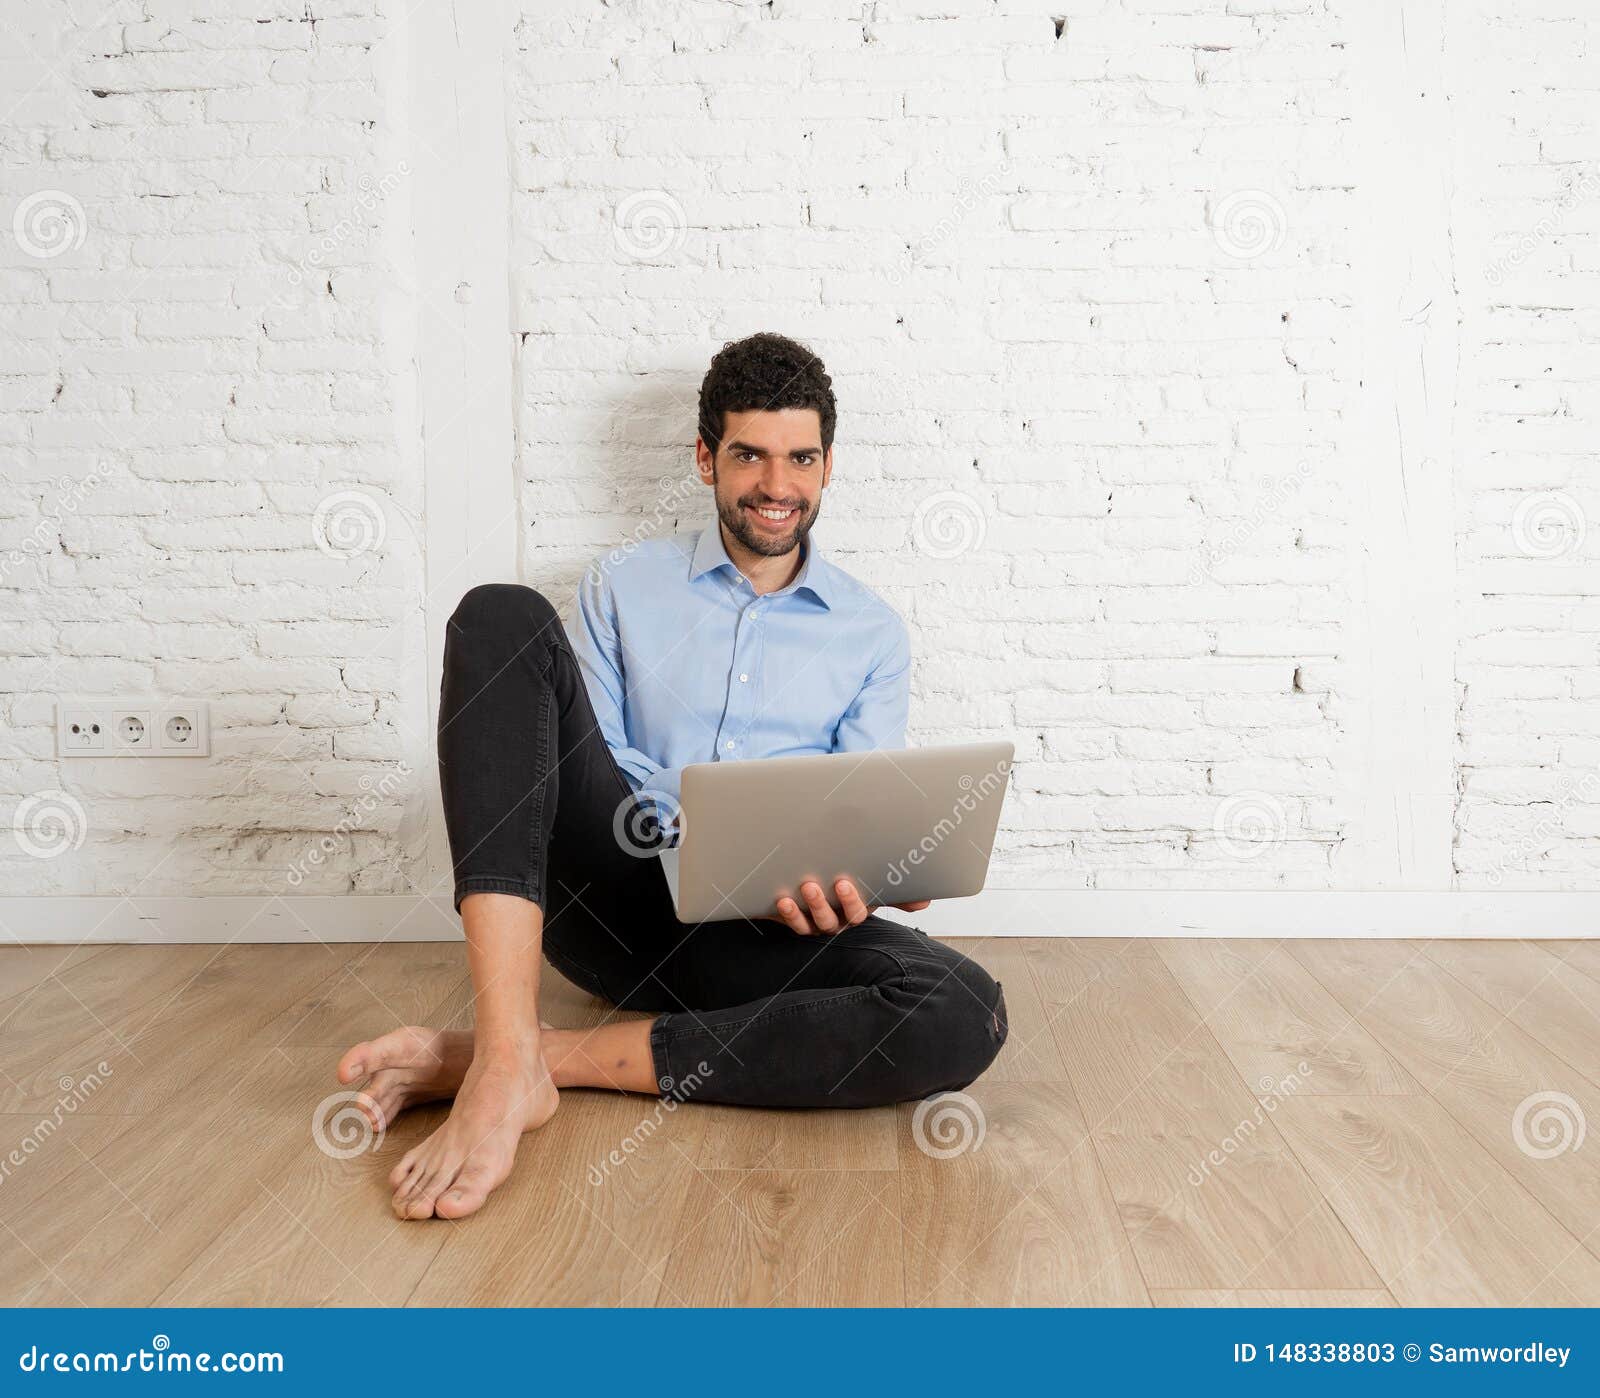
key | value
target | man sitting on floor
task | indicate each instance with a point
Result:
(739, 642)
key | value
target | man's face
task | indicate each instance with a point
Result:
(768, 475)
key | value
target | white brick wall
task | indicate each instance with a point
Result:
(1001, 241)
(1528, 198)
(189, 373)
(1104, 337)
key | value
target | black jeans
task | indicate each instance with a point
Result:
(752, 1013)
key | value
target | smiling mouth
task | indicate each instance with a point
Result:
(773, 517)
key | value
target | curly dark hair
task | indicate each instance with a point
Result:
(764, 372)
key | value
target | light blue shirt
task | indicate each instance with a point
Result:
(685, 662)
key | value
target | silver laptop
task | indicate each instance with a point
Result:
(902, 824)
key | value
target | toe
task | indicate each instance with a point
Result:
(471, 1188)
(355, 1064)
(421, 1200)
(407, 1167)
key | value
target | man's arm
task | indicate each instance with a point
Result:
(598, 648)
(877, 717)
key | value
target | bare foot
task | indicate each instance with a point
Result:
(408, 1067)
(503, 1094)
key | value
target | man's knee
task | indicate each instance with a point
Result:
(962, 1028)
(503, 609)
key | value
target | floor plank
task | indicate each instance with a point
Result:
(590, 1217)
(77, 1018)
(318, 1231)
(1273, 1300)
(1030, 1053)
(1490, 1075)
(1549, 998)
(777, 1238)
(1443, 1222)
(1276, 1022)
(23, 967)
(1126, 1142)
(1209, 1192)
(1005, 1204)
(381, 986)
(164, 1189)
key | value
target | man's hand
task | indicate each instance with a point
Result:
(817, 918)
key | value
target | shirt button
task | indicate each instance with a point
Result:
(744, 679)
(730, 745)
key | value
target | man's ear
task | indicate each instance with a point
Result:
(827, 467)
(705, 461)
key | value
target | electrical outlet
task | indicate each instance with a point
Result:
(183, 729)
(132, 728)
(80, 731)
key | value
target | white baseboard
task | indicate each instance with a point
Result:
(996, 912)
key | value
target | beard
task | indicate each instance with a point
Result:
(737, 523)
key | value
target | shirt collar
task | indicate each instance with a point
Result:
(709, 555)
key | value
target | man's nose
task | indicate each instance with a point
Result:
(777, 483)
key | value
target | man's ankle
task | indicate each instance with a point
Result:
(510, 1045)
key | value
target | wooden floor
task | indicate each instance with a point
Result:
(1172, 1123)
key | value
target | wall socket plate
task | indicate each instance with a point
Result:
(132, 728)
